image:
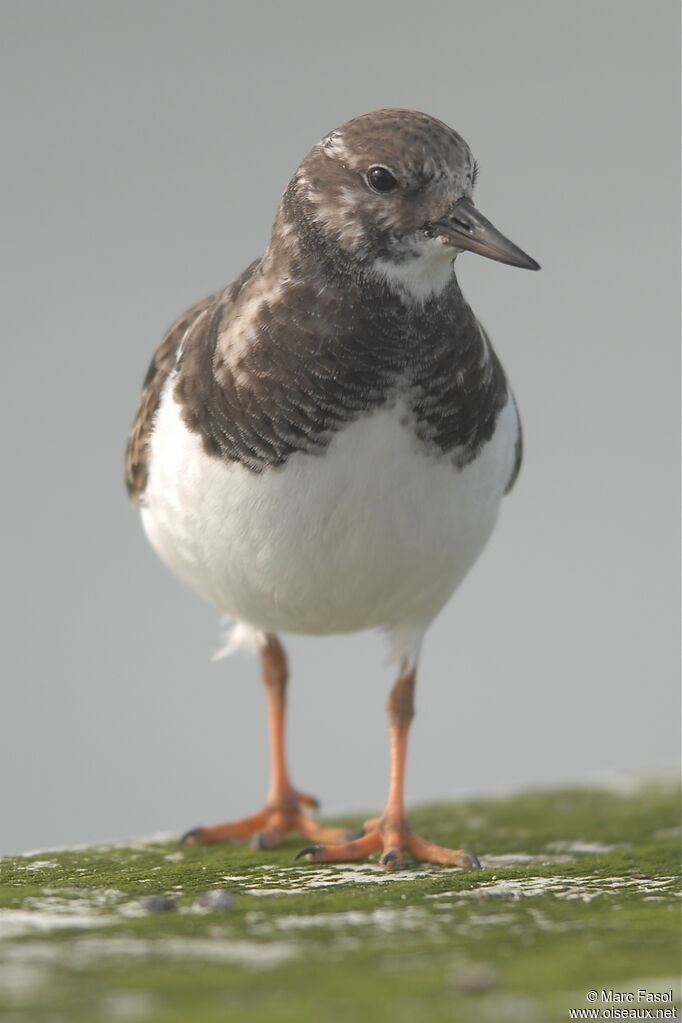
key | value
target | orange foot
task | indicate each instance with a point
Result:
(391, 836)
(269, 827)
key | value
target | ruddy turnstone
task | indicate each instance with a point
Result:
(323, 446)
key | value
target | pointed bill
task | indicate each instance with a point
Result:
(466, 228)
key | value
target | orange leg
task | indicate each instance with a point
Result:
(391, 833)
(282, 812)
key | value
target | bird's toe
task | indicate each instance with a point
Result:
(192, 837)
(391, 860)
(310, 850)
(267, 839)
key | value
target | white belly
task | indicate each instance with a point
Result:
(372, 532)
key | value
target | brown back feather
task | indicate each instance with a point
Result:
(160, 367)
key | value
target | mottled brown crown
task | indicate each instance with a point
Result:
(432, 164)
(418, 147)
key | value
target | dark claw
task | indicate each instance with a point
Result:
(390, 857)
(474, 862)
(189, 837)
(308, 849)
(258, 841)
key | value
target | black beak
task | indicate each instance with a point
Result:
(465, 228)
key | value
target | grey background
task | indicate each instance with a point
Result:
(145, 149)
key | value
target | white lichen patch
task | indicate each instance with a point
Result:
(388, 921)
(584, 888)
(40, 865)
(98, 897)
(279, 880)
(675, 832)
(19, 982)
(15, 923)
(82, 952)
(61, 909)
(492, 860)
(128, 1006)
(583, 847)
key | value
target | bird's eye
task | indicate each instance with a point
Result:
(381, 180)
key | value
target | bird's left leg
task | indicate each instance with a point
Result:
(391, 834)
(283, 810)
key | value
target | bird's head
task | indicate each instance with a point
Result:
(390, 192)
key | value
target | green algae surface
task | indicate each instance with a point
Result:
(579, 893)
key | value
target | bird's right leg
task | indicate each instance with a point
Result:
(283, 811)
(391, 834)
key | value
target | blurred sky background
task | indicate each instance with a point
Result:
(146, 145)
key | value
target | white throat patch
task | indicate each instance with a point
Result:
(422, 275)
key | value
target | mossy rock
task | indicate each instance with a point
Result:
(578, 892)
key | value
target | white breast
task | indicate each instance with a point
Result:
(372, 532)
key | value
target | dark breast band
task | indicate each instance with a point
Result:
(315, 362)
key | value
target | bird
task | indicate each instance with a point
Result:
(323, 446)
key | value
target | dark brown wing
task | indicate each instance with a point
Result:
(161, 365)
